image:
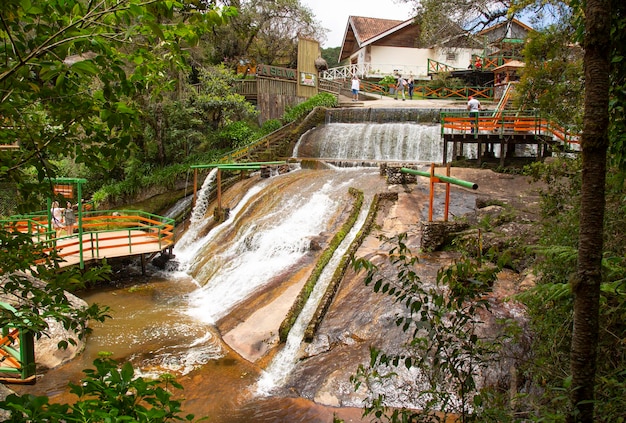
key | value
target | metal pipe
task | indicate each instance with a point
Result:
(448, 179)
(222, 165)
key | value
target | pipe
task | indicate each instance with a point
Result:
(222, 165)
(448, 179)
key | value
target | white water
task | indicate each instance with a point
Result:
(265, 245)
(382, 142)
(281, 366)
(197, 220)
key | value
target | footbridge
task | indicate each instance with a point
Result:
(98, 235)
(506, 129)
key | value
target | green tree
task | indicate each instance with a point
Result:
(264, 32)
(106, 394)
(594, 145)
(445, 342)
(70, 70)
(553, 81)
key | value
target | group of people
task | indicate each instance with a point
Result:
(473, 105)
(402, 85)
(63, 218)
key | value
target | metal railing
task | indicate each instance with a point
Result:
(368, 70)
(97, 231)
(507, 123)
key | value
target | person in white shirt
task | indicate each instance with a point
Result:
(57, 218)
(473, 105)
(356, 86)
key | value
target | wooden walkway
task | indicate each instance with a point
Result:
(102, 234)
(109, 244)
(506, 130)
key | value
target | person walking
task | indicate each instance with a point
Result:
(70, 218)
(473, 105)
(356, 86)
(400, 86)
(411, 87)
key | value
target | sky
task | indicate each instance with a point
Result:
(333, 14)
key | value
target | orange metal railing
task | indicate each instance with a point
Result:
(506, 123)
(97, 232)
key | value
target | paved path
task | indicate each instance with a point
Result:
(375, 101)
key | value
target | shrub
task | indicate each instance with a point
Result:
(304, 108)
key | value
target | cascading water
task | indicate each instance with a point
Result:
(398, 142)
(268, 233)
(285, 361)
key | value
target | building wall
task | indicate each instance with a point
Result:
(383, 60)
(463, 56)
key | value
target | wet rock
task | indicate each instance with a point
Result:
(437, 234)
(162, 260)
(395, 176)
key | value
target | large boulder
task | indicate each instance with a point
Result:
(47, 353)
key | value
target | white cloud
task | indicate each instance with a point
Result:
(333, 14)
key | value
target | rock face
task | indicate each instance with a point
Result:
(359, 318)
(47, 353)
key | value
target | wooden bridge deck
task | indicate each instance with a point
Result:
(102, 234)
(110, 244)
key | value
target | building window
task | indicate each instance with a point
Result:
(450, 56)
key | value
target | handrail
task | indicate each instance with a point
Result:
(506, 95)
(101, 230)
(435, 66)
(506, 123)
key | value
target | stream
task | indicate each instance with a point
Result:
(212, 321)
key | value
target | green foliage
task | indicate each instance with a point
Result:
(35, 301)
(553, 78)
(270, 126)
(550, 304)
(331, 55)
(71, 70)
(236, 135)
(445, 344)
(106, 394)
(444, 80)
(387, 81)
(304, 108)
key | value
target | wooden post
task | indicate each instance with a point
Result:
(432, 192)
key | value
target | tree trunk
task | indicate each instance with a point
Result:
(586, 287)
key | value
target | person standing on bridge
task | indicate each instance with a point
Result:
(473, 105)
(57, 218)
(356, 86)
(70, 218)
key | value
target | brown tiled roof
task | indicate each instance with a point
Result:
(367, 28)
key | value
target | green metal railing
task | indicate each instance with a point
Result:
(98, 231)
(17, 349)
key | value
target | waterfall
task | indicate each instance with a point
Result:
(285, 361)
(403, 142)
(202, 201)
(188, 248)
(271, 233)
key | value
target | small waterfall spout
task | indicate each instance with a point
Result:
(197, 220)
